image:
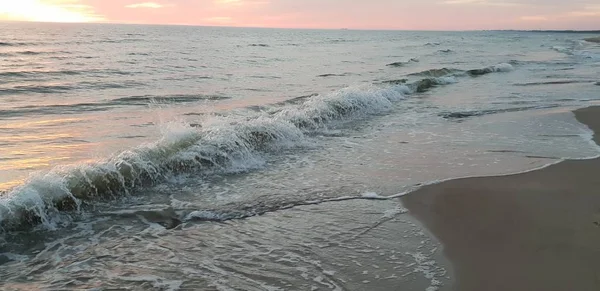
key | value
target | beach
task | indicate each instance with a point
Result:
(148, 157)
(538, 230)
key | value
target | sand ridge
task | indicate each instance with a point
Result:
(532, 231)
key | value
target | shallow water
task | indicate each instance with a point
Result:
(120, 144)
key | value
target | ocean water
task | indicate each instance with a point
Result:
(173, 157)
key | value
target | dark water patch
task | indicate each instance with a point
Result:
(298, 100)
(542, 157)
(445, 51)
(8, 44)
(560, 135)
(566, 100)
(108, 85)
(561, 82)
(402, 64)
(505, 151)
(397, 64)
(597, 83)
(395, 82)
(480, 72)
(437, 72)
(40, 89)
(104, 106)
(29, 53)
(334, 75)
(166, 99)
(31, 74)
(257, 89)
(122, 40)
(132, 136)
(339, 40)
(593, 39)
(253, 76)
(432, 44)
(425, 85)
(504, 67)
(39, 75)
(52, 109)
(475, 113)
(14, 74)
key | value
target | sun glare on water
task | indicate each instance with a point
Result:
(37, 10)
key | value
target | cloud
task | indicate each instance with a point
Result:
(152, 5)
(588, 11)
(219, 19)
(482, 2)
(48, 11)
(240, 2)
(534, 18)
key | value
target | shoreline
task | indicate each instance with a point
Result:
(537, 230)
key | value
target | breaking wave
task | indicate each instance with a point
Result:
(221, 144)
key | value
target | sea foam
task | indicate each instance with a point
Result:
(229, 144)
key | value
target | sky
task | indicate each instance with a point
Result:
(335, 14)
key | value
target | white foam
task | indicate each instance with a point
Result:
(391, 213)
(157, 282)
(222, 144)
(503, 67)
(372, 195)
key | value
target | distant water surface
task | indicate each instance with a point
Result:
(122, 132)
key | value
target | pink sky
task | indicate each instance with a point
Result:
(360, 14)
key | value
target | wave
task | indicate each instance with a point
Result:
(221, 144)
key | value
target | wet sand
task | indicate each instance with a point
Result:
(532, 231)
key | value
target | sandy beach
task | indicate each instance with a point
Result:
(532, 231)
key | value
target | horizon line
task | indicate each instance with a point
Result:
(302, 28)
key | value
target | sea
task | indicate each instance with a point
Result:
(138, 157)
